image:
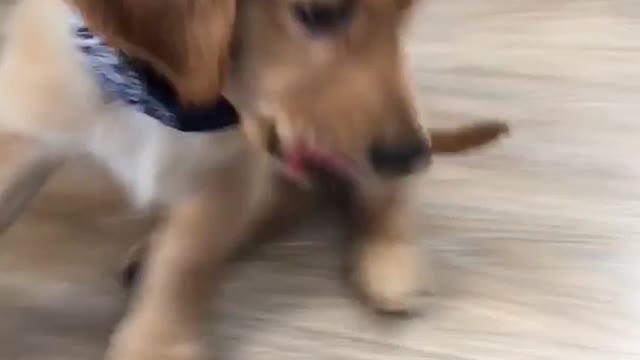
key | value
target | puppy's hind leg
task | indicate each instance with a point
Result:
(24, 167)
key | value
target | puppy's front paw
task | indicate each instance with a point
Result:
(387, 274)
(131, 345)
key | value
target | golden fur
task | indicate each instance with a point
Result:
(341, 93)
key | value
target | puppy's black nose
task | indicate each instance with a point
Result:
(400, 158)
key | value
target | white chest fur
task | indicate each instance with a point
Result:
(157, 163)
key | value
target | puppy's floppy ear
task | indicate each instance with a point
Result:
(187, 41)
(404, 4)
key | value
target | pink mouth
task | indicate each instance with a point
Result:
(300, 160)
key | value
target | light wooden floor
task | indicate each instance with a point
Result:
(535, 241)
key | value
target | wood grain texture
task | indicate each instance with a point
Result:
(535, 241)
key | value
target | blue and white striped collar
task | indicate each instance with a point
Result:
(144, 89)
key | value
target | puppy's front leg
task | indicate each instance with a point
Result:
(24, 167)
(168, 314)
(386, 262)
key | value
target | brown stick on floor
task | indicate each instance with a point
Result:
(446, 141)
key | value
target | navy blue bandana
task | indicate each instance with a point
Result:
(144, 89)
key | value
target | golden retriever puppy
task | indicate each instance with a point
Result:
(146, 87)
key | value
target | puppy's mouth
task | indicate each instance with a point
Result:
(306, 163)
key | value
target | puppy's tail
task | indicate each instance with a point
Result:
(448, 141)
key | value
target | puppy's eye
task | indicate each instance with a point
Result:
(323, 18)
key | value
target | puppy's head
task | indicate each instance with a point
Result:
(322, 80)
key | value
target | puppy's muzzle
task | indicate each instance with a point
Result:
(399, 158)
(388, 159)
